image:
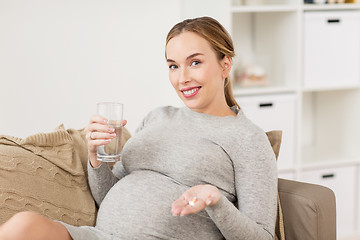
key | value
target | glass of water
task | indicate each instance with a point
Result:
(113, 112)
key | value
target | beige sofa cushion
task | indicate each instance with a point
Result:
(275, 141)
(46, 173)
(309, 210)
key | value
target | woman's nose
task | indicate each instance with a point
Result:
(184, 76)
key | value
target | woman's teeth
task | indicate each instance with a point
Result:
(191, 91)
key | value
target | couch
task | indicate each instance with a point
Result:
(309, 210)
(46, 173)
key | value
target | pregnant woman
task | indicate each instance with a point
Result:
(203, 171)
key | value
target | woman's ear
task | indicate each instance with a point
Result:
(226, 64)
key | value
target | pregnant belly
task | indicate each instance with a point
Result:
(139, 206)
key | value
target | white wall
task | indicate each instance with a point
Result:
(218, 9)
(59, 57)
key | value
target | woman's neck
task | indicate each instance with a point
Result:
(219, 111)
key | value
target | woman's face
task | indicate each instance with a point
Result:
(196, 73)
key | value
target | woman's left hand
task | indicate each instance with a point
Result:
(195, 199)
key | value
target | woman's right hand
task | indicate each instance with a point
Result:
(98, 133)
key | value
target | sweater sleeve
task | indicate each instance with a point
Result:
(256, 189)
(102, 179)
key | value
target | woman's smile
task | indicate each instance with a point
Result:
(190, 91)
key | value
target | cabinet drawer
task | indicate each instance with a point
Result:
(274, 112)
(331, 58)
(342, 180)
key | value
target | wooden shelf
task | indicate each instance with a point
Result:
(321, 7)
(293, 8)
(329, 164)
(287, 170)
(262, 90)
(323, 89)
(264, 8)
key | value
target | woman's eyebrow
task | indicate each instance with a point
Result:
(194, 55)
(189, 57)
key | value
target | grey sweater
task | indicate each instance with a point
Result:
(174, 149)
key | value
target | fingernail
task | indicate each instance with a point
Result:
(113, 135)
(208, 202)
(111, 129)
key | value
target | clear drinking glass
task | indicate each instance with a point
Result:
(113, 112)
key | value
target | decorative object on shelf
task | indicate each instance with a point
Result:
(253, 2)
(250, 75)
(316, 1)
(320, 1)
(237, 2)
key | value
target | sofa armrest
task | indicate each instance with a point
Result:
(309, 210)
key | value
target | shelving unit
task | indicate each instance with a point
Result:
(326, 130)
(320, 123)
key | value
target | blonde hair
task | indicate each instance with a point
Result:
(219, 39)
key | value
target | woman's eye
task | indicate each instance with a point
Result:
(173, 66)
(194, 63)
